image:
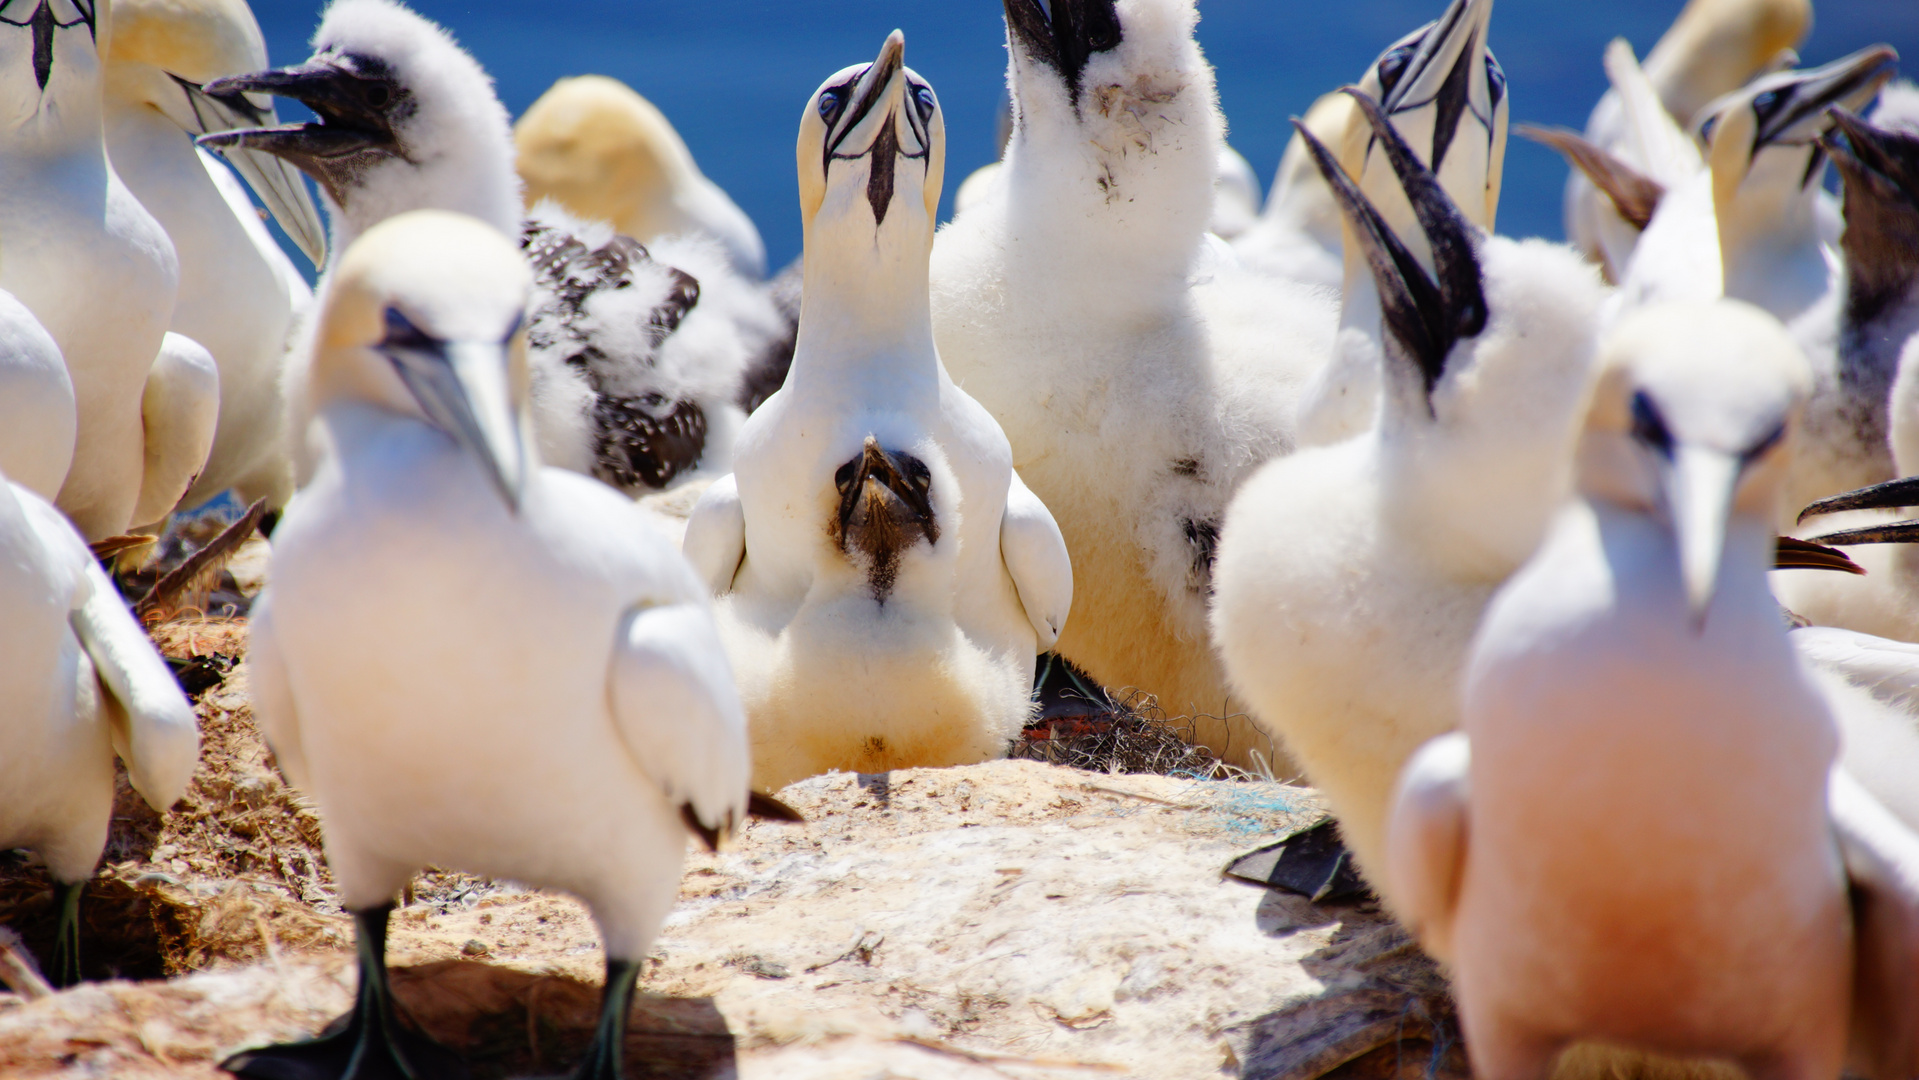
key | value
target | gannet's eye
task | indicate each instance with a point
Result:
(1102, 28)
(829, 105)
(401, 333)
(1764, 446)
(1495, 80)
(1648, 427)
(1392, 67)
(1764, 105)
(923, 97)
(379, 95)
(1710, 125)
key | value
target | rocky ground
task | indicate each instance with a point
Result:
(1010, 919)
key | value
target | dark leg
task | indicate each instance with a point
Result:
(66, 936)
(371, 1046)
(609, 1038)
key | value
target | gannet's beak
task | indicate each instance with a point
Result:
(1880, 170)
(1790, 108)
(876, 101)
(878, 487)
(275, 181)
(1893, 494)
(1886, 161)
(1064, 34)
(1447, 95)
(1427, 317)
(352, 120)
(464, 389)
(1699, 483)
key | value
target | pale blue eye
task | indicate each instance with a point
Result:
(829, 104)
(924, 96)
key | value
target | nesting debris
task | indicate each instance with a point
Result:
(196, 566)
(1084, 726)
(196, 572)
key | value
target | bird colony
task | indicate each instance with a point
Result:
(1520, 553)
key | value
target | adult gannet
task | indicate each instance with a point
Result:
(234, 297)
(595, 146)
(886, 580)
(1351, 576)
(405, 119)
(570, 744)
(180, 408)
(1138, 373)
(81, 683)
(37, 413)
(82, 254)
(1639, 837)
(1713, 48)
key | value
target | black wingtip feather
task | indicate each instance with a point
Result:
(767, 808)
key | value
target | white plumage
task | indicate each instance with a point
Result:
(886, 580)
(1139, 375)
(37, 413)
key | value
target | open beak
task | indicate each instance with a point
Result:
(1426, 314)
(1063, 33)
(1891, 495)
(349, 123)
(275, 181)
(1699, 483)
(1881, 162)
(463, 387)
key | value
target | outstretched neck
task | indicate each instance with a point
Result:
(864, 307)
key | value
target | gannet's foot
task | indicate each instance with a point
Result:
(1312, 862)
(65, 969)
(371, 1045)
(602, 1061)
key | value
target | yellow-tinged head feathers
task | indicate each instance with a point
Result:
(877, 127)
(198, 40)
(1716, 46)
(453, 276)
(603, 152)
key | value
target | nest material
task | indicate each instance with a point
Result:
(1118, 733)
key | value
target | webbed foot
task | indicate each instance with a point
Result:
(1312, 862)
(602, 1061)
(65, 969)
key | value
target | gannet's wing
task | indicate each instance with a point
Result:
(278, 184)
(1426, 839)
(154, 728)
(1882, 860)
(1035, 553)
(1888, 669)
(676, 708)
(715, 541)
(273, 703)
(1655, 144)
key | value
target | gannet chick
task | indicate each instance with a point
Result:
(886, 580)
(81, 683)
(405, 119)
(1633, 840)
(595, 146)
(37, 413)
(1138, 374)
(1713, 48)
(235, 299)
(1351, 577)
(1446, 95)
(82, 254)
(571, 745)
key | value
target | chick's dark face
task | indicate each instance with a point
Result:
(1064, 34)
(359, 105)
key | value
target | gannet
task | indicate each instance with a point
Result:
(81, 683)
(1638, 837)
(1138, 372)
(180, 408)
(405, 119)
(1299, 232)
(1713, 48)
(886, 581)
(234, 298)
(37, 413)
(571, 744)
(1351, 576)
(82, 254)
(1446, 95)
(595, 146)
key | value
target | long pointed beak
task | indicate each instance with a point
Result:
(1699, 483)
(1893, 494)
(876, 97)
(1448, 74)
(276, 182)
(1849, 82)
(463, 388)
(347, 124)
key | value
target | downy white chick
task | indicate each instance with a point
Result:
(885, 579)
(1639, 837)
(80, 683)
(405, 120)
(1351, 577)
(572, 745)
(1713, 48)
(1138, 375)
(596, 147)
(236, 298)
(91, 264)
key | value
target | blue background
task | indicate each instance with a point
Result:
(733, 75)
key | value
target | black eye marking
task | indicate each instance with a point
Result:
(401, 333)
(1765, 445)
(1706, 129)
(1392, 67)
(1495, 80)
(1648, 427)
(1766, 104)
(830, 102)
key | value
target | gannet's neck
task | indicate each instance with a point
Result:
(1769, 241)
(864, 310)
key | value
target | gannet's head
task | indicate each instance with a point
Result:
(424, 319)
(872, 153)
(1486, 358)
(1880, 171)
(1716, 46)
(1691, 422)
(404, 120)
(50, 56)
(1445, 92)
(1762, 140)
(1114, 107)
(162, 54)
(598, 148)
